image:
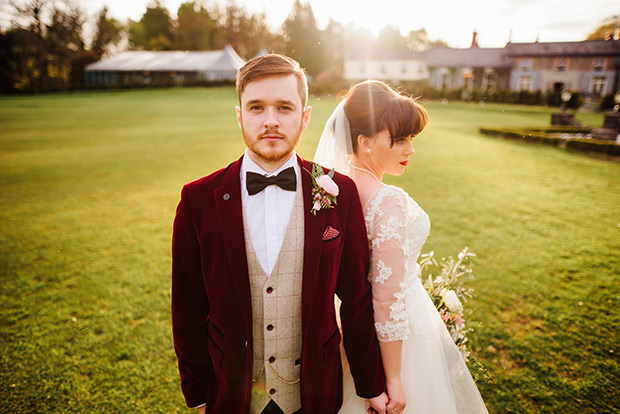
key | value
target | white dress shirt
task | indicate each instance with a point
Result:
(267, 212)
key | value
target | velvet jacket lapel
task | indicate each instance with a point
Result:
(230, 219)
(313, 242)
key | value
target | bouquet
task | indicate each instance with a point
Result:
(444, 285)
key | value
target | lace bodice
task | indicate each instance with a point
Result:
(397, 229)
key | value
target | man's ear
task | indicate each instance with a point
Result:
(305, 117)
(238, 111)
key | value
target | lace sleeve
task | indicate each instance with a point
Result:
(386, 221)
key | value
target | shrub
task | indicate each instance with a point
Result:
(607, 102)
(593, 145)
(554, 98)
(576, 101)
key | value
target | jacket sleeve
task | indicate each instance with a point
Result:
(356, 311)
(190, 307)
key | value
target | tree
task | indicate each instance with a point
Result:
(107, 34)
(357, 41)
(19, 62)
(609, 29)
(418, 41)
(64, 44)
(136, 33)
(389, 38)
(303, 39)
(34, 61)
(333, 38)
(246, 33)
(195, 27)
(157, 25)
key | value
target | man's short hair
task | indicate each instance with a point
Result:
(272, 64)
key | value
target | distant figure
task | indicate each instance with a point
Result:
(368, 135)
(259, 250)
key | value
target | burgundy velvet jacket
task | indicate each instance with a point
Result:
(211, 301)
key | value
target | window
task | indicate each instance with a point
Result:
(561, 64)
(526, 64)
(599, 64)
(525, 83)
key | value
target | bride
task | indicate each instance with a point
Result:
(368, 135)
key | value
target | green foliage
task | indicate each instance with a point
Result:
(549, 136)
(554, 98)
(157, 28)
(107, 33)
(593, 145)
(195, 27)
(607, 29)
(303, 38)
(90, 182)
(607, 102)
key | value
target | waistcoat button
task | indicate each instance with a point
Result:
(270, 327)
(272, 391)
(272, 359)
(269, 289)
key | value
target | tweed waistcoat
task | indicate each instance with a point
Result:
(276, 315)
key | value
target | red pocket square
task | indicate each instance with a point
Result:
(330, 233)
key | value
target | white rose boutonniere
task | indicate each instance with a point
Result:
(324, 189)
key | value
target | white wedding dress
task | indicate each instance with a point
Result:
(435, 377)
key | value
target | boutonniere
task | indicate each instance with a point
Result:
(324, 189)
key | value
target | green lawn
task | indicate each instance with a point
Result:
(89, 183)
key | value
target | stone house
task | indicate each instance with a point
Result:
(590, 67)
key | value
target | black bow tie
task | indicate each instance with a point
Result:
(287, 180)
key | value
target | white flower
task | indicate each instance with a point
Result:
(451, 300)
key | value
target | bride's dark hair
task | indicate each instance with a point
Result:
(373, 106)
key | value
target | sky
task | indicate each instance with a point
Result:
(452, 21)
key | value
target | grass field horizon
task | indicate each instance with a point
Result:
(90, 183)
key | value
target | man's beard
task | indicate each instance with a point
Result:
(271, 154)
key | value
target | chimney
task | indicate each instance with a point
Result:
(474, 40)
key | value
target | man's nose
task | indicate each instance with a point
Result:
(271, 118)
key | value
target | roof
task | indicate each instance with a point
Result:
(585, 48)
(179, 61)
(472, 57)
(386, 55)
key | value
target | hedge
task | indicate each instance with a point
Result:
(593, 145)
(540, 135)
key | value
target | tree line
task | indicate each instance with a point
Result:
(45, 48)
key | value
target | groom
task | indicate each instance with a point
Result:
(254, 270)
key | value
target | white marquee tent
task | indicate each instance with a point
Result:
(151, 67)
